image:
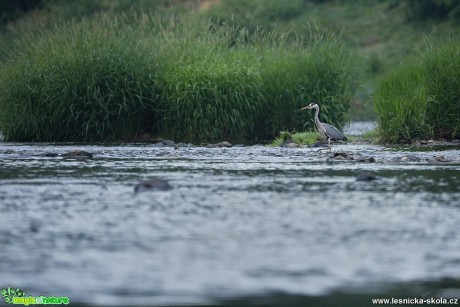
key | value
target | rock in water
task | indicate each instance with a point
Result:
(441, 159)
(219, 145)
(366, 159)
(291, 145)
(342, 156)
(320, 144)
(77, 154)
(365, 177)
(154, 184)
(407, 158)
(168, 143)
(50, 154)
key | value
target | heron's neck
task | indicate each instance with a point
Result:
(316, 116)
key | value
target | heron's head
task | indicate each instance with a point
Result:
(310, 106)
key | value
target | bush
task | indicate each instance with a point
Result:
(420, 99)
(178, 77)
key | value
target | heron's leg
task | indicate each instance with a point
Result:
(329, 142)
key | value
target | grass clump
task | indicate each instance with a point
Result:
(303, 138)
(420, 99)
(210, 89)
(186, 78)
(322, 72)
(220, 82)
(82, 81)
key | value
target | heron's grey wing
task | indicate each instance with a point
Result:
(334, 133)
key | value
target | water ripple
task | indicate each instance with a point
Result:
(238, 223)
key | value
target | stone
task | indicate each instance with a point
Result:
(224, 144)
(50, 154)
(77, 154)
(35, 225)
(365, 177)
(342, 156)
(220, 144)
(286, 142)
(291, 145)
(320, 144)
(154, 184)
(442, 159)
(366, 159)
(168, 143)
(408, 158)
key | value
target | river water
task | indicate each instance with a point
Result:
(241, 225)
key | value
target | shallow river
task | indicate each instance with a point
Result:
(241, 225)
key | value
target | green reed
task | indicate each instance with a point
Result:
(420, 99)
(114, 78)
(81, 81)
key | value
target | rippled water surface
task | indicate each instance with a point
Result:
(241, 224)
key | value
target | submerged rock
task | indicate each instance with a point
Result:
(441, 159)
(289, 143)
(50, 154)
(365, 177)
(158, 144)
(320, 144)
(224, 144)
(424, 142)
(219, 145)
(35, 225)
(77, 154)
(188, 145)
(286, 142)
(342, 156)
(168, 143)
(154, 184)
(407, 158)
(366, 159)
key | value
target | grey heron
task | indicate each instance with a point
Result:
(326, 130)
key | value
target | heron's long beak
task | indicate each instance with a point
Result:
(304, 108)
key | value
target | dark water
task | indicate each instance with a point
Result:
(241, 225)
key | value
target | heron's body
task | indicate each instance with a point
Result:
(326, 130)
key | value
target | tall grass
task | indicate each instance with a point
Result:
(176, 76)
(235, 85)
(82, 81)
(421, 98)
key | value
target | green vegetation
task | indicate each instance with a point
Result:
(369, 135)
(304, 138)
(81, 81)
(420, 99)
(383, 32)
(228, 69)
(104, 78)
